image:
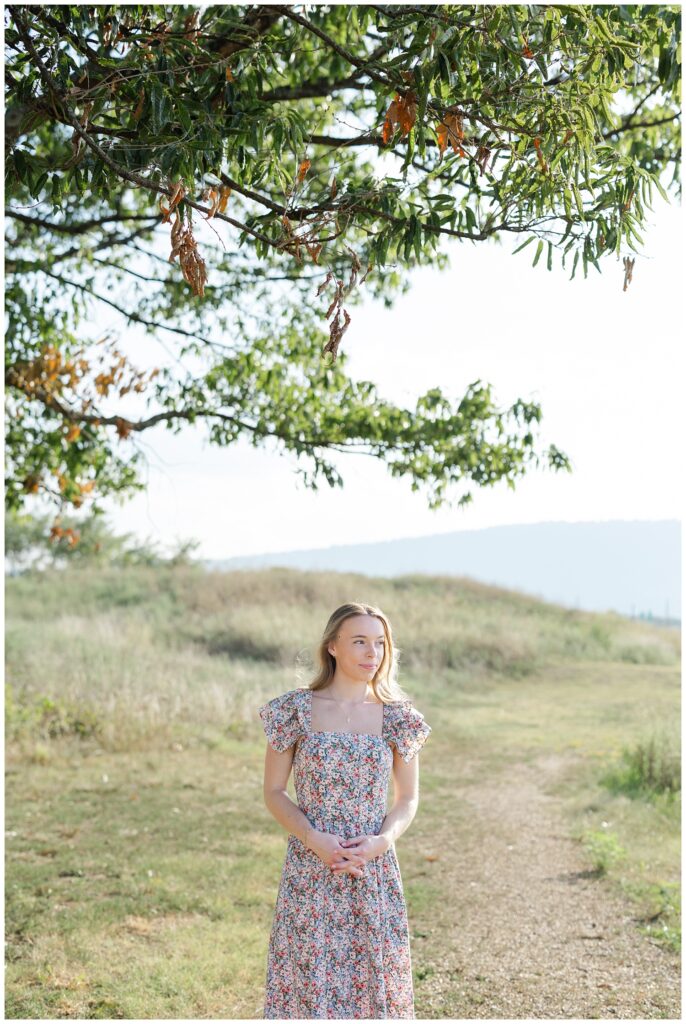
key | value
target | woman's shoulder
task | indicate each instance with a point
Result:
(407, 726)
(402, 711)
(289, 699)
(400, 702)
(284, 717)
(292, 692)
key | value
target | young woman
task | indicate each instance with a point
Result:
(339, 943)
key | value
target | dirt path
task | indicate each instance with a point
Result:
(529, 930)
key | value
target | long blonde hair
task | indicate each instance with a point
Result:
(384, 683)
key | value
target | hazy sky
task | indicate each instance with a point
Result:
(604, 364)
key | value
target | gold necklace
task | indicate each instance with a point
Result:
(337, 700)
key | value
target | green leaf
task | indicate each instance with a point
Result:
(523, 245)
(421, 117)
(442, 200)
(609, 116)
(443, 68)
(39, 184)
(410, 147)
(382, 248)
(160, 106)
(656, 178)
(576, 260)
(587, 170)
(22, 166)
(184, 117)
(578, 201)
(541, 65)
(539, 250)
(417, 239)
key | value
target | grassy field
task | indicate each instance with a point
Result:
(141, 863)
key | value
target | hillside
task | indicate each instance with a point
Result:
(628, 566)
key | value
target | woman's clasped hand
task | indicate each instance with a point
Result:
(346, 856)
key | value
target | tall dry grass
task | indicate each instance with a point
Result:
(136, 652)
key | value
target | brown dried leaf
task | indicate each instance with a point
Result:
(402, 112)
(324, 283)
(303, 169)
(141, 103)
(336, 333)
(223, 198)
(191, 262)
(450, 131)
(628, 271)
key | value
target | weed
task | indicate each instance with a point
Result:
(652, 765)
(604, 850)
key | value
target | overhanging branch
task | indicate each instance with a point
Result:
(77, 227)
(128, 314)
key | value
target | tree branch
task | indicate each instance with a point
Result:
(77, 251)
(135, 179)
(324, 87)
(135, 317)
(79, 227)
(147, 183)
(640, 124)
(248, 272)
(362, 65)
(299, 213)
(14, 378)
(436, 108)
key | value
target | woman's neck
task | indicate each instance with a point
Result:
(348, 689)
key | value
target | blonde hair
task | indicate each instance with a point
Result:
(384, 683)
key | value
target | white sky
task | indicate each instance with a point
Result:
(606, 366)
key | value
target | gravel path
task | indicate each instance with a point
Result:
(528, 929)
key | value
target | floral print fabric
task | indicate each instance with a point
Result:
(339, 945)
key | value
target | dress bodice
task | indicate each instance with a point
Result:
(341, 781)
(341, 778)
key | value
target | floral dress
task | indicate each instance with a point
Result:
(339, 944)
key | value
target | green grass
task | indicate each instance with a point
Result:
(651, 766)
(142, 865)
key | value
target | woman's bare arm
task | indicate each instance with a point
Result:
(405, 798)
(277, 769)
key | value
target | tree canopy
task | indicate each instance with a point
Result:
(234, 178)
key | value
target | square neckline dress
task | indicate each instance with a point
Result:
(339, 946)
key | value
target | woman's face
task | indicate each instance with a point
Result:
(359, 646)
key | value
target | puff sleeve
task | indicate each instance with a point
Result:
(281, 720)
(409, 730)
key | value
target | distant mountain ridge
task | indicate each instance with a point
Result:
(629, 566)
